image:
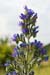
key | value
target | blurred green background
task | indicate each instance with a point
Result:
(6, 50)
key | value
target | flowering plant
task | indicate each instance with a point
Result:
(26, 54)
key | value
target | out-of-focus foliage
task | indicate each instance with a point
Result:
(47, 47)
(5, 51)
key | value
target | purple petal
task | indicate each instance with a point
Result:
(25, 30)
(22, 16)
(21, 23)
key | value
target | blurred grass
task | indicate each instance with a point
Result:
(43, 69)
(2, 72)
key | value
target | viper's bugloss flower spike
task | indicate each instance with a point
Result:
(27, 53)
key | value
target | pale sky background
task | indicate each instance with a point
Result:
(9, 17)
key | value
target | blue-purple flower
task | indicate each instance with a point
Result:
(34, 17)
(23, 44)
(15, 53)
(40, 51)
(12, 73)
(22, 16)
(21, 23)
(25, 30)
(30, 12)
(36, 27)
(15, 37)
(38, 44)
(16, 48)
(7, 63)
(43, 51)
